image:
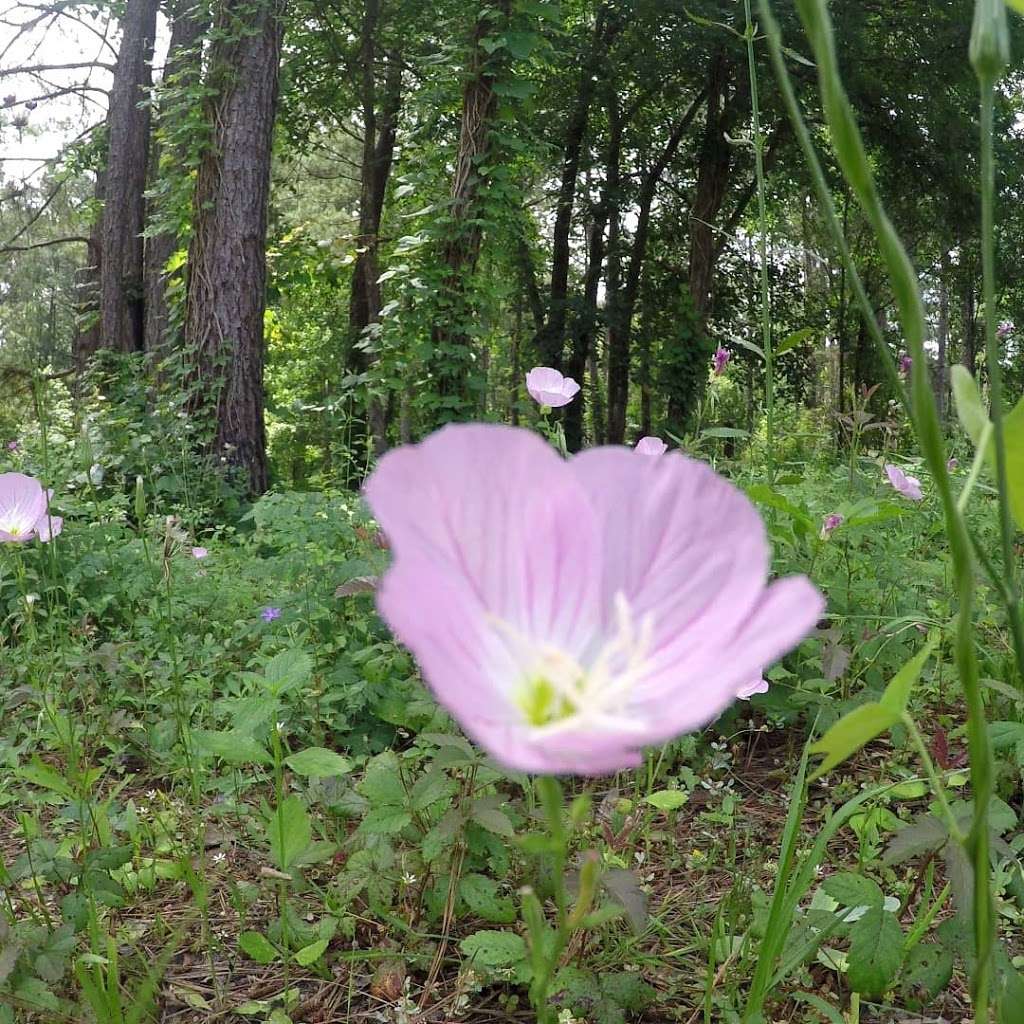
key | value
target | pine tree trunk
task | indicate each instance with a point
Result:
(618, 360)
(227, 256)
(124, 208)
(189, 21)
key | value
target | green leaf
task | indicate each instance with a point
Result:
(791, 341)
(970, 409)
(1016, 5)
(750, 346)
(231, 746)
(287, 670)
(668, 799)
(924, 836)
(42, 775)
(289, 831)
(494, 949)
(1005, 735)
(927, 971)
(481, 896)
(876, 947)
(485, 812)
(724, 432)
(257, 947)
(318, 762)
(311, 953)
(852, 732)
(853, 890)
(897, 693)
(1013, 437)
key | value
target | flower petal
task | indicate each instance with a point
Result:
(22, 502)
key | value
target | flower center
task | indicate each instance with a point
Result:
(559, 692)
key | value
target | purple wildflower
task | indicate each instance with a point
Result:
(906, 363)
(720, 360)
(269, 614)
(908, 486)
(830, 523)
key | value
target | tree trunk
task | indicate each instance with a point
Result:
(618, 367)
(227, 257)
(942, 338)
(86, 340)
(620, 326)
(451, 337)
(189, 22)
(970, 354)
(584, 328)
(714, 164)
(551, 338)
(379, 131)
(124, 208)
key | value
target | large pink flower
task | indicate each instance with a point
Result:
(548, 387)
(908, 486)
(24, 510)
(569, 614)
(651, 446)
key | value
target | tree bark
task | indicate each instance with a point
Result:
(124, 208)
(551, 337)
(942, 337)
(189, 21)
(714, 164)
(86, 340)
(618, 370)
(620, 326)
(452, 346)
(227, 256)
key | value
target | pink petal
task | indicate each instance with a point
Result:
(22, 502)
(650, 446)
(757, 685)
(48, 527)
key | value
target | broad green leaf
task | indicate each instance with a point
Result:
(318, 762)
(667, 799)
(290, 832)
(1004, 735)
(851, 732)
(311, 953)
(42, 775)
(481, 896)
(750, 346)
(927, 971)
(724, 432)
(897, 693)
(257, 947)
(494, 949)
(853, 890)
(876, 948)
(487, 814)
(231, 745)
(287, 670)
(791, 341)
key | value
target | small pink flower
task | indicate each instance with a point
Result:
(549, 388)
(1004, 330)
(13, 446)
(24, 510)
(571, 613)
(269, 614)
(651, 446)
(951, 464)
(908, 486)
(830, 523)
(757, 685)
(199, 553)
(720, 360)
(906, 363)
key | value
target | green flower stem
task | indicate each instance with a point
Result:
(938, 787)
(856, 168)
(762, 241)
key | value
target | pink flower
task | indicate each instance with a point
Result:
(548, 387)
(720, 360)
(199, 552)
(13, 446)
(830, 523)
(951, 464)
(757, 685)
(1004, 330)
(906, 363)
(270, 613)
(24, 510)
(651, 446)
(571, 613)
(908, 486)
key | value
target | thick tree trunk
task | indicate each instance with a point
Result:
(551, 338)
(714, 164)
(86, 340)
(189, 21)
(970, 355)
(227, 257)
(379, 132)
(452, 346)
(124, 208)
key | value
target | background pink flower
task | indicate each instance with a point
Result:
(548, 387)
(199, 553)
(908, 486)
(720, 360)
(830, 523)
(651, 446)
(569, 614)
(24, 510)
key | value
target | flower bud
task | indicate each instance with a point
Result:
(990, 40)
